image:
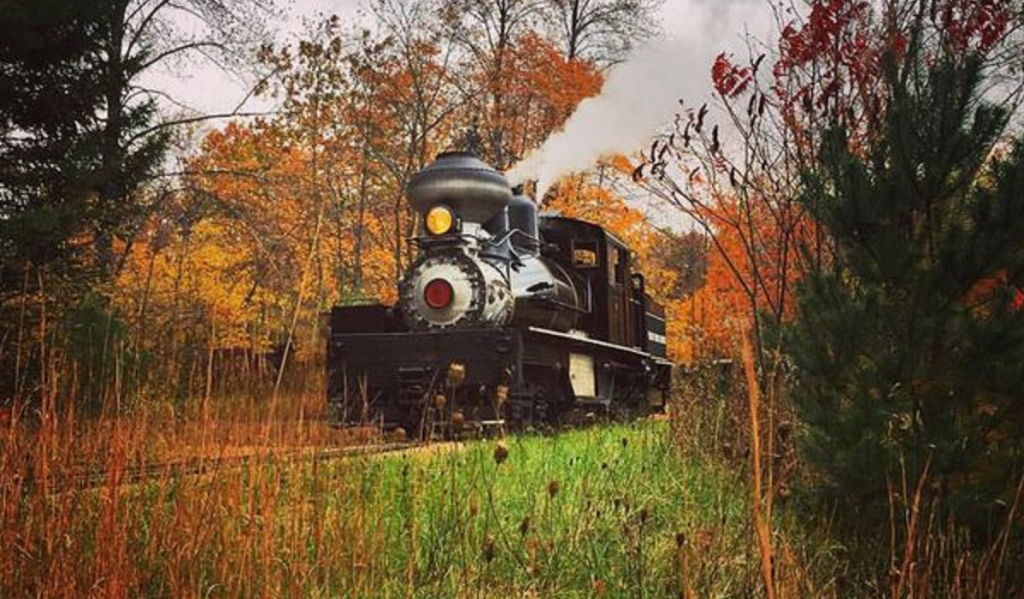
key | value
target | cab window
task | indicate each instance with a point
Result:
(584, 254)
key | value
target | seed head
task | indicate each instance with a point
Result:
(456, 374)
(500, 453)
(524, 526)
(501, 395)
(680, 540)
(439, 401)
(458, 419)
(553, 488)
(489, 548)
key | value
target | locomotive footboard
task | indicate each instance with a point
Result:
(396, 379)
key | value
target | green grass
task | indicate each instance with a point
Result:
(614, 511)
(603, 510)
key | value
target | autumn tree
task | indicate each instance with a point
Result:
(544, 88)
(734, 166)
(140, 35)
(303, 210)
(601, 31)
(486, 32)
(84, 142)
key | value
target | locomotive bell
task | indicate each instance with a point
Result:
(463, 182)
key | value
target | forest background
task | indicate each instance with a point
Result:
(175, 268)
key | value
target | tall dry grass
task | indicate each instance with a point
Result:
(735, 415)
(174, 533)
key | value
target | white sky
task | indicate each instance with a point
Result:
(207, 89)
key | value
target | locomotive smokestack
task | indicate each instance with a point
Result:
(475, 190)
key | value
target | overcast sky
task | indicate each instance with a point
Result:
(720, 23)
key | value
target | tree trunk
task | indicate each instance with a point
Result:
(109, 192)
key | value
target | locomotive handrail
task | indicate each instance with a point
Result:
(508, 237)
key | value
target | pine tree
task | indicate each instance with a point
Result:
(909, 341)
(75, 151)
(50, 96)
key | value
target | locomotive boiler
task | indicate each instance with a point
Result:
(507, 317)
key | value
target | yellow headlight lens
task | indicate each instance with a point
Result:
(440, 220)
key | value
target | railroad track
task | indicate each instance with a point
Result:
(87, 478)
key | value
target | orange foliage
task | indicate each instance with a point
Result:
(540, 89)
(753, 265)
(284, 217)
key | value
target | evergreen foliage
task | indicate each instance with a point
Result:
(50, 96)
(909, 337)
(75, 145)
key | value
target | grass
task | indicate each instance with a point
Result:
(642, 510)
(585, 513)
(615, 511)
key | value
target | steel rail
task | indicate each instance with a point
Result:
(89, 478)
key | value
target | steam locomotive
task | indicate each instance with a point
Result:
(507, 318)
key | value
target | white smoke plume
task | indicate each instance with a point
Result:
(643, 93)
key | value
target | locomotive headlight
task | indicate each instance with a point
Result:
(440, 220)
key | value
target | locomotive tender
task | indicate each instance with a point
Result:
(506, 317)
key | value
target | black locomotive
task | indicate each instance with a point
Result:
(506, 317)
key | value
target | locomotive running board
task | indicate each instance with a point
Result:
(588, 341)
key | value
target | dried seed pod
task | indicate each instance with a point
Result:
(440, 401)
(524, 526)
(458, 419)
(489, 548)
(553, 488)
(500, 453)
(399, 434)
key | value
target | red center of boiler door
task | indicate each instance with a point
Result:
(438, 294)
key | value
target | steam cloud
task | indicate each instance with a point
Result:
(641, 94)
